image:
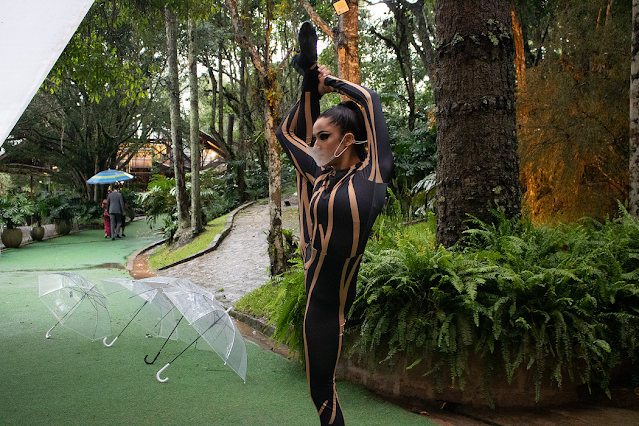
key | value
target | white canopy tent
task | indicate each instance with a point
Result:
(33, 34)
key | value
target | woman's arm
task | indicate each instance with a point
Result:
(380, 155)
(296, 130)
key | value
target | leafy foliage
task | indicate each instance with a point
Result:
(69, 205)
(14, 209)
(218, 193)
(574, 150)
(415, 158)
(560, 301)
(159, 202)
(289, 307)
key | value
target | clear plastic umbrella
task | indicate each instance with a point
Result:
(186, 333)
(76, 303)
(170, 282)
(143, 304)
(213, 324)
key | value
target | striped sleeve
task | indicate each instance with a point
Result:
(296, 130)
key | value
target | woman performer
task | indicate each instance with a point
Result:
(341, 190)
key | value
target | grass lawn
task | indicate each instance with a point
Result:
(165, 256)
(69, 380)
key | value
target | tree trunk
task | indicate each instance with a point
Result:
(213, 96)
(634, 113)
(268, 86)
(196, 203)
(275, 237)
(176, 131)
(424, 33)
(345, 39)
(477, 163)
(346, 44)
(220, 88)
(241, 144)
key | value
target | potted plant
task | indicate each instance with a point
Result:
(62, 210)
(14, 210)
(41, 211)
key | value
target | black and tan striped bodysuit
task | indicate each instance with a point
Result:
(337, 210)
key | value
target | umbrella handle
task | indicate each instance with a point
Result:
(151, 362)
(108, 345)
(158, 374)
(48, 336)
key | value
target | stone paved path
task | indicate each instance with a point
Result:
(240, 264)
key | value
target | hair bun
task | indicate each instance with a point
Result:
(360, 127)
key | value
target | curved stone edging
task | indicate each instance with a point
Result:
(131, 262)
(212, 246)
(254, 323)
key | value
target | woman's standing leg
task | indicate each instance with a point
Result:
(323, 338)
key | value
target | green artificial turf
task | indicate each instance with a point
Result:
(69, 380)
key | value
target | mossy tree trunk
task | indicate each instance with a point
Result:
(176, 120)
(269, 88)
(196, 203)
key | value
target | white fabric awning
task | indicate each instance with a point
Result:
(33, 34)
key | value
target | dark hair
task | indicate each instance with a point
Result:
(348, 118)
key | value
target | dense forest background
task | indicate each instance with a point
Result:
(110, 92)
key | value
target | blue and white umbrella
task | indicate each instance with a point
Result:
(109, 176)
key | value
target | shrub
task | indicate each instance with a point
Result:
(14, 209)
(288, 308)
(561, 301)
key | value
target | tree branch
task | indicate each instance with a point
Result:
(318, 20)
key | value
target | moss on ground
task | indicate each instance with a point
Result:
(165, 256)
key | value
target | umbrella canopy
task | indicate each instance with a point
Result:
(109, 176)
(170, 282)
(143, 304)
(212, 322)
(76, 303)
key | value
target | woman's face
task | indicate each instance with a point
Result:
(328, 137)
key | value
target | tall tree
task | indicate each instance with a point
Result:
(634, 112)
(98, 104)
(477, 164)
(269, 89)
(241, 164)
(176, 121)
(400, 44)
(196, 202)
(345, 39)
(422, 12)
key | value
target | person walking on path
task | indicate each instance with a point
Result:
(107, 220)
(126, 208)
(115, 207)
(341, 190)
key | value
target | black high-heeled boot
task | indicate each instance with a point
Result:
(307, 56)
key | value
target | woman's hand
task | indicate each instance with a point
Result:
(323, 73)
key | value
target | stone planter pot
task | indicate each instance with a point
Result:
(63, 227)
(37, 233)
(12, 238)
